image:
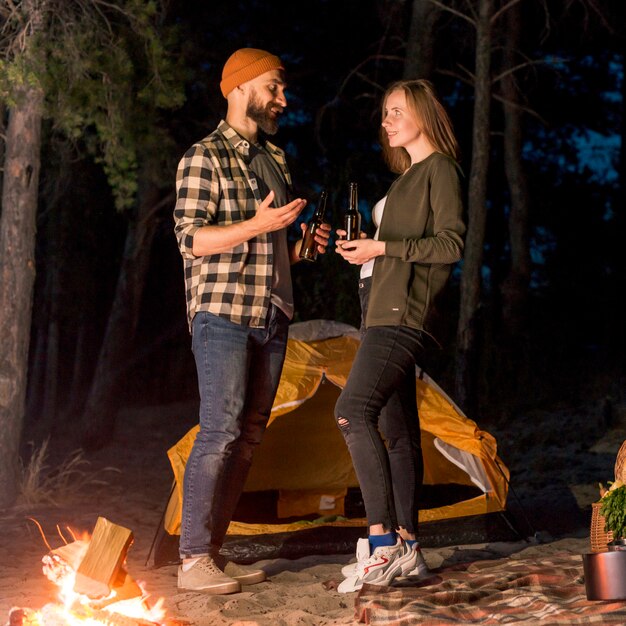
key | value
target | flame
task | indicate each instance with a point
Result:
(75, 609)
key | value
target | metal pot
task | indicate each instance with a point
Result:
(605, 575)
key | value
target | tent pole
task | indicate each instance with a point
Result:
(533, 531)
(159, 527)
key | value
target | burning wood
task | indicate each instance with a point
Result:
(57, 615)
(99, 570)
(94, 586)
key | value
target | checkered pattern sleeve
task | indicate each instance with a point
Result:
(197, 188)
(214, 187)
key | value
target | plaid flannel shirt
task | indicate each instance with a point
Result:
(214, 186)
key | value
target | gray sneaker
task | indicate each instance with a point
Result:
(244, 575)
(205, 576)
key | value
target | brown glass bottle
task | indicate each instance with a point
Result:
(308, 251)
(352, 218)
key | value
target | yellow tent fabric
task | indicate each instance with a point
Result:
(303, 454)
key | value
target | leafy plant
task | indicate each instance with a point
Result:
(613, 510)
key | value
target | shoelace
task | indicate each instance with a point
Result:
(209, 567)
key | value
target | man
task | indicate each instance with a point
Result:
(232, 210)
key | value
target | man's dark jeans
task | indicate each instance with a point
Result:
(238, 370)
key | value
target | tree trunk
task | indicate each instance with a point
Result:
(515, 287)
(3, 113)
(17, 272)
(465, 374)
(419, 59)
(102, 401)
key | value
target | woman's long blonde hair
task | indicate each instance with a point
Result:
(431, 118)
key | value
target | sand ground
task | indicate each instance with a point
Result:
(128, 483)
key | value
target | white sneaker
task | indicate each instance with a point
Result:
(415, 567)
(362, 553)
(380, 568)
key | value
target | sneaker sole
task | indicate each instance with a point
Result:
(222, 589)
(349, 585)
(418, 574)
(252, 578)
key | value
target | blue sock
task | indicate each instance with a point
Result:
(388, 539)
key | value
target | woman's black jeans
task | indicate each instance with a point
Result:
(380, 393)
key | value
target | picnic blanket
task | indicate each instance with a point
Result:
(523, 591)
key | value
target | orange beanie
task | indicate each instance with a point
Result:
(246, 64)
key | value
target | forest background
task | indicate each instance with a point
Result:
(99, 100)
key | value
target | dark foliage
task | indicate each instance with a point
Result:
(339, 57)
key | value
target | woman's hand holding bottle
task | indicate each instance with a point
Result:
(358, 251)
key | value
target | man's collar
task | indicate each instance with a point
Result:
(233, 136)
(241, 143)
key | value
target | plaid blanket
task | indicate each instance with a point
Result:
(523, 591)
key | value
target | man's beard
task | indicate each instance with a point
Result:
(261, 115)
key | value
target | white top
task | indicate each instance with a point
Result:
(377, 215)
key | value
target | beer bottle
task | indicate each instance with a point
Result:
(352, 218)
(308, 251)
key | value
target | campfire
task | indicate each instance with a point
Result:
(94, 587)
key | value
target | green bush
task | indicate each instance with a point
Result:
(613, 510)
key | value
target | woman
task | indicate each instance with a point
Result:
(419, 238)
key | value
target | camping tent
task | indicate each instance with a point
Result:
(303, 455)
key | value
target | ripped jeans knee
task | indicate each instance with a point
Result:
(342, 422)
(343, 408)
